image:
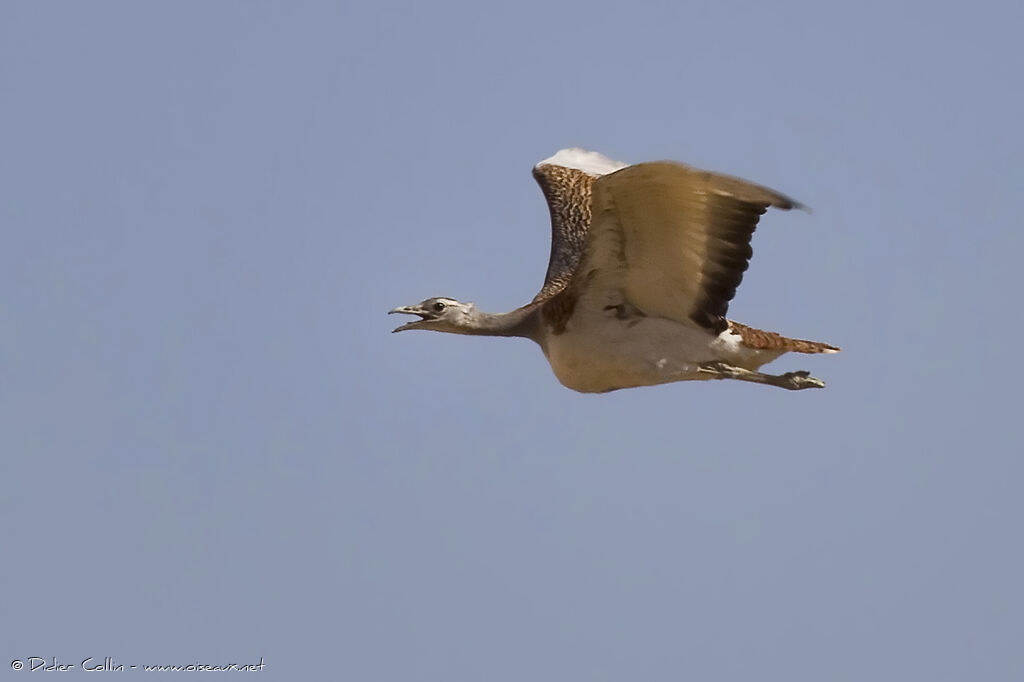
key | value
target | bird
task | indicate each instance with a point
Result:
(645, 259)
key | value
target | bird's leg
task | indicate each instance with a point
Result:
(793, 381)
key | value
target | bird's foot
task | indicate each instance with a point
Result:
(796, 381)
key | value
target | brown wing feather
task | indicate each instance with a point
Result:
(728, 254)
(684, 234)
(568, 193)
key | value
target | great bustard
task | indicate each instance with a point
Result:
(644, 261)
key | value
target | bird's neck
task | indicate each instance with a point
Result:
(519, 322)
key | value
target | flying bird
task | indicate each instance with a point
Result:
(644, 261)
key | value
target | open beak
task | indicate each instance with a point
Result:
(409, 310)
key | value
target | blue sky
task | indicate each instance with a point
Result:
(215, 451)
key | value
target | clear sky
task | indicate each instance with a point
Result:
(213, 449)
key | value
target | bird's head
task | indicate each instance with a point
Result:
(440, 315)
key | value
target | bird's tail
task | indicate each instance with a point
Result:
(762, 340)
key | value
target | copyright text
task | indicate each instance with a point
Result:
(107, 663)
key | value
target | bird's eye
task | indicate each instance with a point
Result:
(438, 307)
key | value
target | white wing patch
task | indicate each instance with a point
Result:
(591, 163)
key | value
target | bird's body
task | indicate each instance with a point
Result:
(644, 260)
(602, 350)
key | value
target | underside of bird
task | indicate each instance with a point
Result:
(644, 261)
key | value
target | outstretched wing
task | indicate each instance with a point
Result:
(566, 179)
(673, 239)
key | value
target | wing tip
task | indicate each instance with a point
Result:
(796, 205)
(786, 203)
